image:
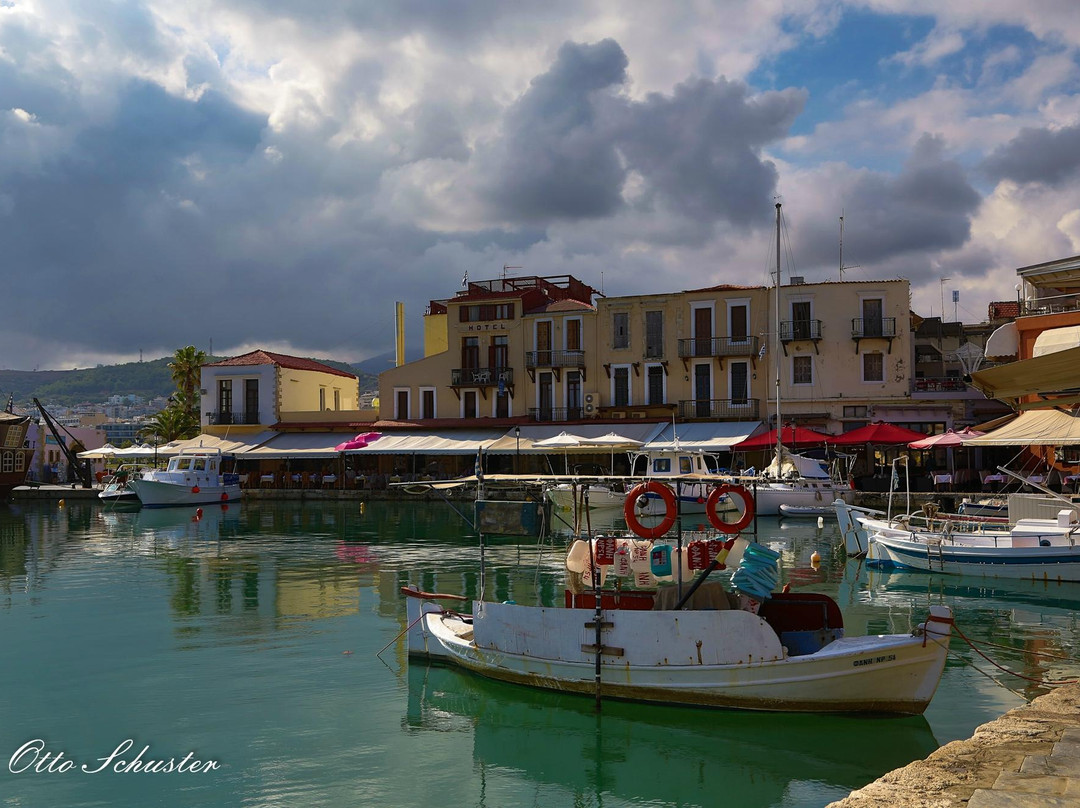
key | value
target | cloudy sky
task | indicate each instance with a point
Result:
(263, 173)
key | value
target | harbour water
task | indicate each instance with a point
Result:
(251, 637)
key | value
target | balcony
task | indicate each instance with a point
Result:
(481, 377)
(939, 385)
(719, 409)
(873, 328)
(793, 330)
(555, 359)
(233, 418)
(549, 414)
(718, 346)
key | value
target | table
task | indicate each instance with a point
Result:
(942, 479)
(329, 479)
(266, 479)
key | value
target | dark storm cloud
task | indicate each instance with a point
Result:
(1037, 155)
(926, 208)
(557, 158)
(700, 149)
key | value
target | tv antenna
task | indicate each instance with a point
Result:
(842, 267)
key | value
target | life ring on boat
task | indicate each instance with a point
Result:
(714, 517)
(662, 491)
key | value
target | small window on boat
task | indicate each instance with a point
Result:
(685, 465)
(661, 465)
(183, 463)
(199, 465)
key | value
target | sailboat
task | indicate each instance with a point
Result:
(799, 482)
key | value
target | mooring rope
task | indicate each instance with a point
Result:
(1043, 682)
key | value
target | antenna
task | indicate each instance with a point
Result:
(506, 267)
(842, 267)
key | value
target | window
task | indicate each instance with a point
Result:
(703, 390)
(873, 367)
(496, 311)
(545, 391)
(802, 370)
(20, 461)
(401, 405)
(470, 352)
(322, 398)
(654, 334)
(500, 352)
(468, 404)
(655, 385)
(685, 466)
(856, 411)
(8, 463)
(800, 326)
(337, 399)
(620, 325)
(872, 311)
(661, 465)
(620, 382)
(251, 401)
(427, 402)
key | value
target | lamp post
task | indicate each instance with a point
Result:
(517, 450)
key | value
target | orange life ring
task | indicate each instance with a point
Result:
(670, 509)
(714, 517)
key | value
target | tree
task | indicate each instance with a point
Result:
(186, 369)
(172, 423)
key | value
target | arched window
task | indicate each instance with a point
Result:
(7, 463)
(20, 461)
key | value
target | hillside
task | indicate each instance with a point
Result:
(95, 385)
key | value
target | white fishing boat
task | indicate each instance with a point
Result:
(697, 644)
(797, 482)
(192, 478)
(793, 656)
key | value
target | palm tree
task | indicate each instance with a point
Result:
(172, 423)
(186, 368)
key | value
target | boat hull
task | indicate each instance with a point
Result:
(802, 494)
(726, 658)
(1038, 563)
(154, 494)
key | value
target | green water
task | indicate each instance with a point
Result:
(249, 638)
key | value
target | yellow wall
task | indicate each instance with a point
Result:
(298, 390)
(435, 335)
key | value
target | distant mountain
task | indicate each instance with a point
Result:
(377, 364)
(149, 379)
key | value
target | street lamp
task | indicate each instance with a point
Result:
(517, 450)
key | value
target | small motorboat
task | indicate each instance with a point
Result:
(193, 478)
(806, 510)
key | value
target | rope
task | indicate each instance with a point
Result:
(405, 630)
(1043, 682)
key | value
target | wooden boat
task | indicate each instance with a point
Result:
(14, 453)
(192, 478)
(805, 510)
(693, 645)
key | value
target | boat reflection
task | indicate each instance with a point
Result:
(651, 755)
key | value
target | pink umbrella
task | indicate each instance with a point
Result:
(946, 440)
(359, 442)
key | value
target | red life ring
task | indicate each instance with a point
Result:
(714, 517)
(632, 522)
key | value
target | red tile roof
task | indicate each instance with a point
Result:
(281, 360)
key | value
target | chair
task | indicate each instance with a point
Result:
(295, 480)
(943, 482)
(329, 480)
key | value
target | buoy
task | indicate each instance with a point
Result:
(60, 503)
(194, 489)
(821, 521)
(815, 558)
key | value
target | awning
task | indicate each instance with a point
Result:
(1034, 428)
(1052, 373)
(708, 437)
(448, 442)
(510, 442)
(297, 445)
(1053, 340)
(1003, 342)
(234, 444)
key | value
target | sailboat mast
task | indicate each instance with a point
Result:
(776, 347)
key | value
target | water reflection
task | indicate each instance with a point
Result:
(645, 754)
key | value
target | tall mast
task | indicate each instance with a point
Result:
(776, 346)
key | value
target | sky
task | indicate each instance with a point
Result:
(245, 174)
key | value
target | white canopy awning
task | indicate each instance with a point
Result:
(447, 442)
(305, 445)
(1034, 428)
(704, 436)
(530, 434)
(1003, 342)
(232, 444)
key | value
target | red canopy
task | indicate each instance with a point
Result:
(793, 437)
(879, 434)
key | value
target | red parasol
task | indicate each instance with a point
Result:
(793, 437)
(878, 433)
(946, 440)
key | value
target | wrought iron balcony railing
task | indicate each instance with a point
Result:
(719, 408)
(233, 418)
(555, 359)
(869, 328)
(556, 413)
(718, 346)
(791, 330)
(481, 377)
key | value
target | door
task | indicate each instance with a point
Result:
(499, 352)
(703, 332)
(225, 401)
(470, 352)
(573, 395)
(739, 324)
(702, 390)
(546, 390)
(739, 384)
(872, 311)
(800, 316)
(573, 335)
(251, 401)
(655, 384)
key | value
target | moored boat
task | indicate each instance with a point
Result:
(14, 453)
(193, 478)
